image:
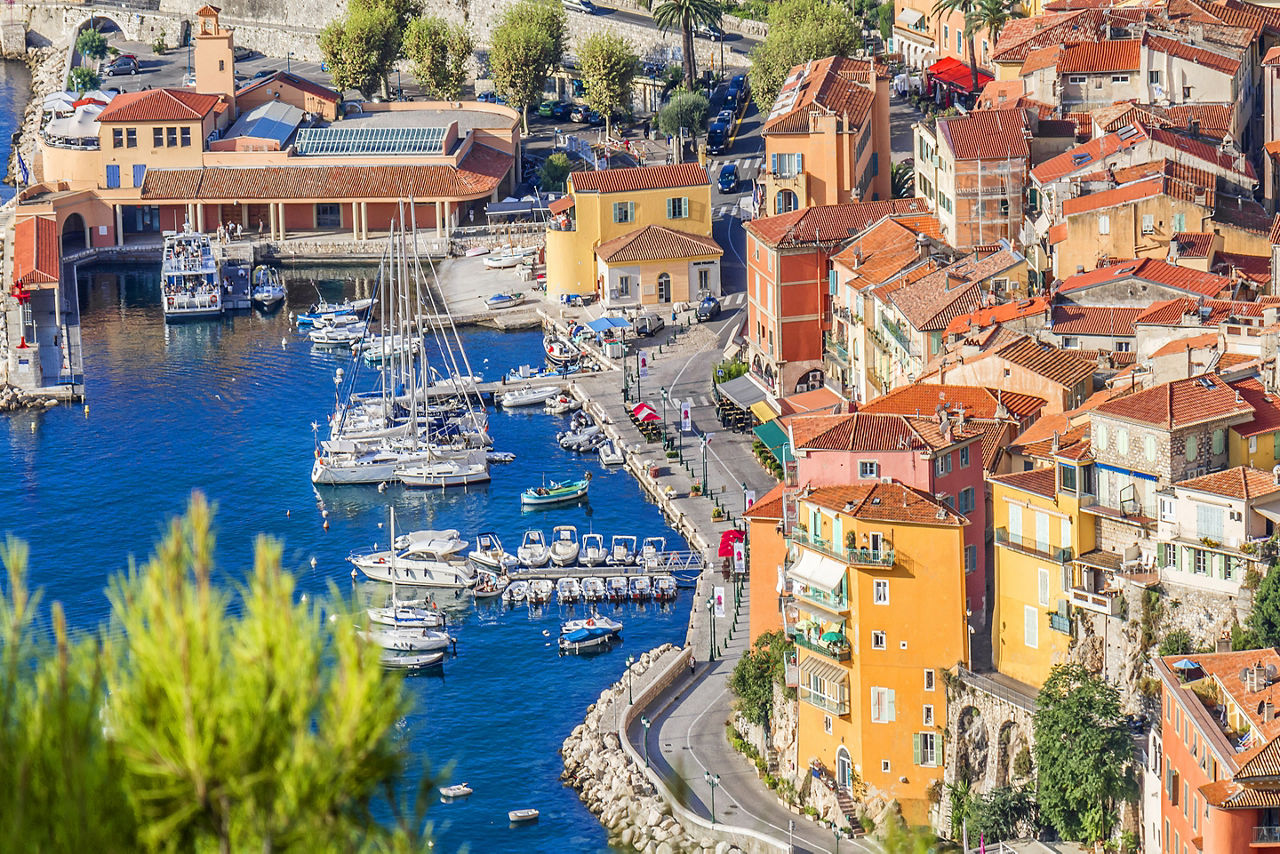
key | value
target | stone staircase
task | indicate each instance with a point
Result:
(845, 800)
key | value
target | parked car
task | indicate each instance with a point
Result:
(708, 31)
(594, 118)
(708, 309)
(728, 181)
(561, 110)
(266, 72)
(487, 97)
(730, 101)
(545, 108)
(238, 53)
(725, 117)
(717, 137)
(580, 6)
(649, 324)
(189, 80)
(120, 65)
(739, 82)
(580, 113)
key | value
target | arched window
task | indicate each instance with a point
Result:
(784, 202)
(664, 287)
(844, 768)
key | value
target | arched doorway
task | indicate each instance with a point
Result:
(664, 288)
(811, 381)
(75, 234)
(844, 769)
(784, 202)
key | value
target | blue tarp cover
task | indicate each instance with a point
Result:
(604, 324)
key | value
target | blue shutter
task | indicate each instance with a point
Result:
(875, 163)
(139, 173)
(799, 163)
(113, 176)
(773, 163)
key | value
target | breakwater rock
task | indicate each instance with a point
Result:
(13, 398)
(614, 787)
(48, 70)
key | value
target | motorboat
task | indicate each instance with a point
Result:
(568, 590)
(564, 545)
(489, 585)
(383, 348)
(527, 396)
(502, 261)
(411, 662)
(611, 453)
(540, 590)
(408, 640)
(527, 372)
(593, 588)
(560, 352)
(562, 404)
(517, 816)
(592, 551)
(555, 493)
(189, 277)
(652, 553)
(590, 621)
(267, 291)
(533, 551)
(622, 550)
(327, 333)
(489, 552)
(330, 310)
(404, 615)
(665, 588)
(516, 591)
(500, 457)
(459, 790)
(588, 634)
(500, 301)
(445, 541)
(418, 565)
(580, 433)
(617, 588)
(473, 468)
(641, 588)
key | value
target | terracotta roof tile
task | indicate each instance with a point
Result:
(1266, 408)
(1021, 36)
(158, 105)
(1272, 57)
(1275, 231)
(1171, 312)
(37, 252)
(639, 178)
(982, 317)
(1041, 481)
(1262, 764)
(1093, 320)
(1256, 268)
(1240, 482)
(1040, 59)
(1180, 403)
(831, 223)
(1098, 57)
(1227, 668)
(930, 303)
(1060, 366)
(1197, 55)
(1193, 244)
(858, 431)
(835, 85)
(882, 252)
(999, 94)
(1201, 151)
(1214, 119)
(987, 134)
(1242, 213)
(1088, 155)
(1207, 341)
(1113, 197)
(302, 84)
(978, 402)
(885, 502)
(1151, 270)
(656, 243)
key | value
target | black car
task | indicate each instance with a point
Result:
(708, 309)
(266, 72)
(717, 138)
(561, 109)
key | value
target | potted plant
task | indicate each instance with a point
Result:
(717, 513)
(696, 489)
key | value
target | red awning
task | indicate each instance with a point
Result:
(727, 539)
(561, 205)
(955, 73)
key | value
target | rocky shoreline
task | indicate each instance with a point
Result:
(13, 399)
(615, 788)
(46, 77)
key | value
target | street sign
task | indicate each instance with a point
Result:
(720, 372)
(740, 556)
(718, 593)
(686, 416)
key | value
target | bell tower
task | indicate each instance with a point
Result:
(214, 58)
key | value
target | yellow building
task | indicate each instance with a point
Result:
(1255, 443)
(639, 265)
(1039, 534)
(877, 577)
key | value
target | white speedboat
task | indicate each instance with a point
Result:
(540, 590)
(489, 552)
(445, 541)
(652, 553)
(411, 661)
(408, 640)
(593, 588)
(419, 565)
(267, 292)
(324, 334)
(407, 616)
(568, 590)
(591, 621)
(517, 816)
(460, 790)
(527, 396)
(664, 588)
(611, 453)
(622, 550)
(533, 550)
(617, 589)
(516, 591)
(502, 261)
(564, 545)
(593, 552)
(640, 587)
(497, 302)
(473, 468)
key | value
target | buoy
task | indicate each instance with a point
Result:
(33, 426)
(288, 512)
(354, 576)
(304, 597)
(86, 410)
(313, 563)
(324, 514)
(379, 525)
(284, 342)
(326, 524)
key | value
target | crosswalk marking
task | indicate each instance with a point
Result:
(723, 211)
(734, 299)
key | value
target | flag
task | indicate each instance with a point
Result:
(22, 167)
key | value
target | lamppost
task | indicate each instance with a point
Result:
(646, 723)
(663, 392)
(713, 780)
(745, 508)
(631, 659)
(711, 621)
(288, 63)
(705, 486)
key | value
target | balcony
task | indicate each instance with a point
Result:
(1030, 546)
(832, 651)
(881, 558)
(795, 183)
(835, 350)
(835, 602)
(1266, 835)
(897, 333)
(1105, 602)
(827, 704)
(1060, 623)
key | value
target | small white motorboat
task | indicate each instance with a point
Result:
(489, 552)
(503, 260)
(527, 396)
(533, 550)
(407, 616)
(617, 589)
(540, 590)
(591, 621)
(592, 552)
(568, 591)
(564, 545)
(518, 816)
(327, 335)
(477, 250)
(500, 457)
(499, 301)
(640, 587)
(622, 550)
(562, 404)
(516, 592)
(408, 640)
(411, 661)
(459, 790)
(611, 453)
(267, 291)
(489, 585)
(593, 588)
(664, 588)
(652, 553)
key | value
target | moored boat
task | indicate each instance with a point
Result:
(189, 277)
(489, 585)
(652, 553)
(540, 590)
(499, 301)
(517, 816)
(527, 396)
(568, 590)
(564, 545)
(556, 493)
(616, 588)
(640, 587)
(622, 550)
(664, 588)
(411, 661)
(267, 290)
(592, 551)
(593, 588)
(611, 453)
(489, 552)
(408, 640)
(516, 591)
(458, 790)
(533, 551)
(404, 615)
(441, 473)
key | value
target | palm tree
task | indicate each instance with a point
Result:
(686, 14)
(989, 15)
(964, 7)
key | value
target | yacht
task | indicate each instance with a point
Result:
(426, 561)
(189, 276)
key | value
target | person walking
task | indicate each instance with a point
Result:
(259, 226)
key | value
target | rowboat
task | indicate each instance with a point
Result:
(555, 493)
(517, 816)
(498, 301)
(411, 662)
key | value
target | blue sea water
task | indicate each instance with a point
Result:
(227, 407)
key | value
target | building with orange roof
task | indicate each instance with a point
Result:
(826, 137)
(1141, 281)
(1017, 363)
(767, 552)
(876, 608)
(1028, 315)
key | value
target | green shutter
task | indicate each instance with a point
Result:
(671, 209)
(915, 748)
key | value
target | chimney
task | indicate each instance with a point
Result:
(1267, 711)
(1001, 410)
(1194, 127)
(922, 247)
(1079, 269)
(1054, 446)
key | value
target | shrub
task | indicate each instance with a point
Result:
(1177, 642)
(158, 47)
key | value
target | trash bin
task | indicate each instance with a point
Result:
(655, 471)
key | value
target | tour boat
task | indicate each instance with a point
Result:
(473, 468)
(411, 661)
(489, 552)
(500, 301)
(540, 590)
(460, 790)
(189, 277)
(622, 550)
(556, 493)
(527, 396)
(564, 545)
(408, 640)
(517, 816)
(516, 592)
(267, 292)
(533, 551)
(568, 590)
(640, 587)
(592, 552)
(611, 453)
(617, 588)
(664, 588)
(593, 588)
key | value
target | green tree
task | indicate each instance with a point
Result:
(199, 719)
(83, 79)
(1243, 638)
(440, 55)
(901, 838)
(1084, 754)
(1004, 813)
(526, 46)
(361, 48)
(1177, 642)
(799, 31)
(684, 15)
(885, 21)
(608, 64)
(555, 170)
(91, 44)
(988, 16)
(902, 178)
(1264, 621)
(684, 110)
(757, 671)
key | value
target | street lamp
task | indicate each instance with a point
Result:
(713, 780)
(705, 485)
(711, 620)
(663, 392)
(288, 63)
(646, 723)
(745, 508)
(631, 659)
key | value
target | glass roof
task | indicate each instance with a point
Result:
(370, 140)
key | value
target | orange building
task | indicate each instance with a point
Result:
(766, 555)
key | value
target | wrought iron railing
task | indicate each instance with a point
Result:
(1031, 546)
(832, 651)
(858, 557)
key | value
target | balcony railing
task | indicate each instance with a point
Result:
(836, 707)
(832, 651)
(897, 333)
(831, 601)
(1028, 545)
(855, 557)
(1060, 623)
(835, 350)
(1099, 603)
(1267, 835)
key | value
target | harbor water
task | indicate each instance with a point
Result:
(231, 407)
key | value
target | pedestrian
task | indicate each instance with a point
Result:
(259, 226)
(471, 215)
(693, 665)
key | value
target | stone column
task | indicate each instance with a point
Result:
(364, 220)
(280, 219)
(439, 219)
(355, 220)
(199, 217)
(119, 211)
(271, 216)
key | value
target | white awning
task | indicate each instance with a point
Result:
(910, 17)
(817, 571)
(1268, 513)
(824, 670)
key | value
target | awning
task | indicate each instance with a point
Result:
(1268, 513)
(762, 410)
(509, 209)
(910, 17)
(817, 571)
(955, 73)
(741, 391)
(775, 438)
(827, 671)
(604, 324)
(561, 205)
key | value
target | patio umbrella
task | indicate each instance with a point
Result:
(641, 411)
(1185, 664)
(727, 539)
(832, 637)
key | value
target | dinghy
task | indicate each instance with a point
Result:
(555, 493)
(533, 551)
(564, 545)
